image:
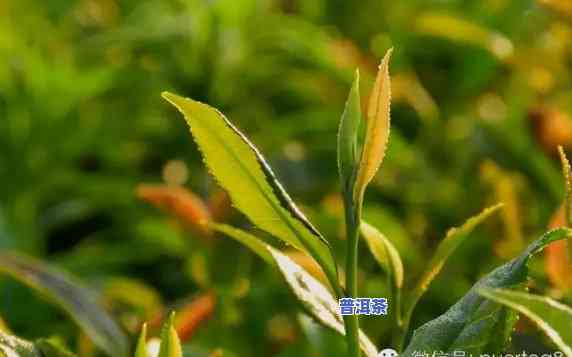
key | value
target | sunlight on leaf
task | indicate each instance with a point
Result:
(170, 344)
(455, 236)
(475, 324)
(384, 252)
(567, 172)
(79, 302)
(388, 257)
(316, 299)
(240, 168)
(377, 128)
(552, 317)
(141, 349)
(12, 346)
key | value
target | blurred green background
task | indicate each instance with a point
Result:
(482, 96)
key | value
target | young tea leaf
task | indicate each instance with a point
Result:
(242, 171)
(455, 236)
(79, 302)
(170, 344)
(388, 257)
(316, 299)
(141, 349)
(474, 324)
(552, 317)
(348, 136)
(377, 128)
(384, 252)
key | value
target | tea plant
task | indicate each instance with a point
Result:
(480, 322)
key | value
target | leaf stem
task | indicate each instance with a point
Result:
(353, 218)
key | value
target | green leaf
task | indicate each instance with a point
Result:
(388, 257)
(552, 317)
(567, 172)
(475, 324)
(254, 190)
(377, 129)
(455, 236)
(348, 136)
(384, 252)
(78, 301)
(53, 348)
(141, 349)
(316, 299)
(170, 344)
(247, 239)
(14, 346)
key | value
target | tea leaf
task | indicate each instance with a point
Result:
(348, 136)
(79, 302)
(455, 236)
(475, 324)
(242, 171)
(316, 299)
(170, 344)
(141, 349)
(551, 316)
(567, 172)
(388, 257)
(384, 252)
(13, 346)
(377, 128)
(247, 239)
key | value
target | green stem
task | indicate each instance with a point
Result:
(353, 217)
(403, 326)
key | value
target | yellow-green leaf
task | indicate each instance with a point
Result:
(170, 343)
(316, 299)
(455, 236)
(567, 172)
(247, 239)
(141, 350)
(78, 301)
(377, 128)
(348, 136)
(552, 317)
(475, 324)
(254, 190)
(384, 252)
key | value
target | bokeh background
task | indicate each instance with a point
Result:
(482, 96)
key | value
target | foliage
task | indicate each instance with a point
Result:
(480, 102)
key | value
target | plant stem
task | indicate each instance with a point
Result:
(353, 218)
(402, 327)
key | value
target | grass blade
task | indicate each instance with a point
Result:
(78, 301)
